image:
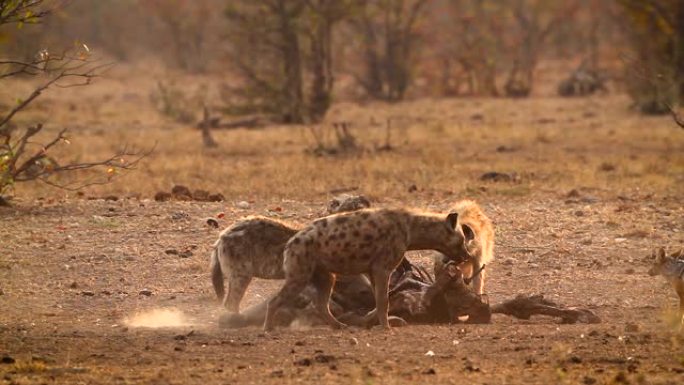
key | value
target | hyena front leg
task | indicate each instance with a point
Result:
(236, 290)
(381, 278)
(324, 283)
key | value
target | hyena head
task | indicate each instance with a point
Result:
(659, 259)
(455, 241)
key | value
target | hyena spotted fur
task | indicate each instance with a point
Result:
(253, 247)
(479, 235)
(370, 241)
(672, 268)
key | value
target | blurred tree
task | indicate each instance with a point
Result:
(387, 30)
(655, 29)
(22, 159)
(281, 46)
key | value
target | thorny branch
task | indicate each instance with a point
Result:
(72, 68)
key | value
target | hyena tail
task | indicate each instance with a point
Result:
(216, 273)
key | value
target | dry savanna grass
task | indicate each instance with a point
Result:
(440, 146)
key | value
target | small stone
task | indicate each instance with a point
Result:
(579, 213)
(631, 327)
(162, 196)
(324, 358)
(87, 293)
(7, 360)
(145, 292)
(629, 271)
(73, 285)
(303, 362)
(353, 341)
(178, 348)
(242, 205)
(429, 371)
(211, 222)
(185, 254)
(588, 380)
(412, 188)
(277, 373)
(299, 343)
(575, 360)
(171, 251)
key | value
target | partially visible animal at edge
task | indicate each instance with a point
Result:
(253, 247)
(672, 268)
(371, 242)
(479, 241)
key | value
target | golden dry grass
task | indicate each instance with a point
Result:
(441, 146)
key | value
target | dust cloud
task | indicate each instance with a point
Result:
(157, 318)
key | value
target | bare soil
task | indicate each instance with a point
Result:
(74, 273)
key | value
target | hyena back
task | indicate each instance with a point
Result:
(479, 235)
(372, 242)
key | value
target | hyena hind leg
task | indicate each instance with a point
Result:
(324, 283)
(237, 286)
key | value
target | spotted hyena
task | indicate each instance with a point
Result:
(479, 235)
(370, 241)
(253, 247)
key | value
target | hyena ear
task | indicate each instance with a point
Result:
(468, 232)
(452, 219)
(660, 255)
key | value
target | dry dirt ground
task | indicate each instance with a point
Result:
(99, 291)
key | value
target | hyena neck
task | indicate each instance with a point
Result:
(425, 232)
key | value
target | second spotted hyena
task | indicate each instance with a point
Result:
(253, 247)
(372, 242)
(479, 235)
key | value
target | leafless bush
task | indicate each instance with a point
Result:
(335, 139)
(22, 159)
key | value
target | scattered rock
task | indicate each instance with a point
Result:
(2, 292)
(171, 251)
(574, 193)
(177, 216)
(607, 167)
(412, 188)
(178, 348)
(87, 293)
(579, 213)
(353, 341)
(629, 270)
(112, 198)
(631, 327)
(429, 371)
(503, 148)
(495, 176)
(471, 367)
(588, 380)
(324, 358)
(277, 373)
(575, 360)
(73, 285)
(299, 343)
(303, 362)
(162, 196)
(347, 202)
(211, 222)
(145, 292)
(242, 205)
(185, 254)
(7, 360)
(182, 193)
